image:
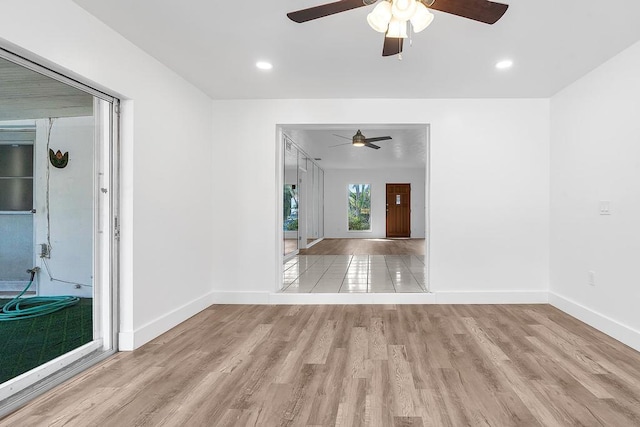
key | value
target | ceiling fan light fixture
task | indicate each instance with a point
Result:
(397, 29)
(421, 19)
(504, 64)
(358, 139)
(264, 65)
(379, 18)
(403, 10)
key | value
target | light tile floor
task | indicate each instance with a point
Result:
(354, 273)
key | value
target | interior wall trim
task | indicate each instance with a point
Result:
(130, 340)
(617, 330)
(488, 297)
(351, 298)
(493, 297)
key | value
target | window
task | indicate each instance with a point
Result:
(16, 173)
(359, 207)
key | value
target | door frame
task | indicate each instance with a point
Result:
(280, 128)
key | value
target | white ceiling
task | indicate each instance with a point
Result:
(407, 149)
(215, 44)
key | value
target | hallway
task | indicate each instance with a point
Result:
(358, 265)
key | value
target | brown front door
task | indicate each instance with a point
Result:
(398, 210)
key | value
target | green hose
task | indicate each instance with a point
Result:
(27, 308)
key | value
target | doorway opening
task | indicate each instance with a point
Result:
(361, 249)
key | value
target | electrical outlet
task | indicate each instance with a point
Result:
(605, 207)
(44, 251)
(591, 278)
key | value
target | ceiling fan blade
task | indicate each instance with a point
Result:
(374, 146)
(392, 46)
(378, 138)
(346, 143)
(321, 11)
(479, 10)
(340, 136)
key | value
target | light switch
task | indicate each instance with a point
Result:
(605, 207)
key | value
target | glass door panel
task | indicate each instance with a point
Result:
(290, 199)
(58, 201)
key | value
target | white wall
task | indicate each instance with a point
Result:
(336, 200)
(595, 156)
(70, 206)
(166, 159)
(489, 189)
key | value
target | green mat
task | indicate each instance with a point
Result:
(26, 344)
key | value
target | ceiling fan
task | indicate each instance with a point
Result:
(359, 140)
(392, 16)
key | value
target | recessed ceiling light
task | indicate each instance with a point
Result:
(505, 64)
(263, 65)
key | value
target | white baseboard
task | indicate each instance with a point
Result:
(492, 297)
(352, 298)
(225, 297)
(315, 242)
(524, 297)
(605, 324)
(128, 341)
(625, 334)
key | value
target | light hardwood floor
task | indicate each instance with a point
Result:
(358, 365)
(366, 247)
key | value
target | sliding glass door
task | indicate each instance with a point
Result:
(303, 199)
(58, 219)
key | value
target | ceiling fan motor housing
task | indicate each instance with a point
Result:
(359, 139)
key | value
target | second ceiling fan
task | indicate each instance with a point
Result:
(359, 140)
(393, 16)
